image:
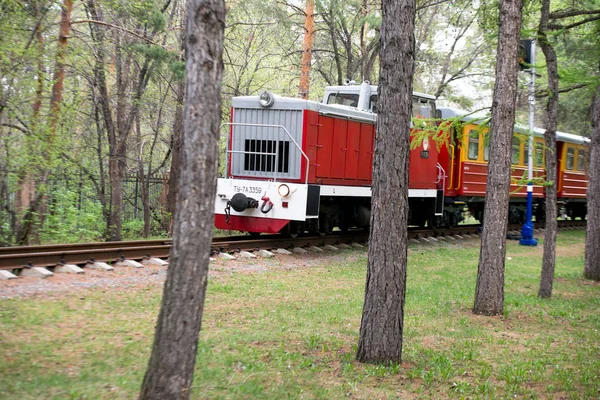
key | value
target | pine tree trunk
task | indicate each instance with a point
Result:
(309, 37)
(171, 366)
(549, 258)
(592, 240)
(489, 292)
(383, 311)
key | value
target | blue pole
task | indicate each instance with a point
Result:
(527, 231)
(527, 238)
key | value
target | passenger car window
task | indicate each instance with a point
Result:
(570, 157)
(473, 152)
(516, 150)
(580, 160)
(539, 154)
(486, 152)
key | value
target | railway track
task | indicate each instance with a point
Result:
(51, 256)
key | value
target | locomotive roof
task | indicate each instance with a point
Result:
(291, 103)
(356, 89)
(448, 112)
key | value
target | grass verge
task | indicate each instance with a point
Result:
(291, 332)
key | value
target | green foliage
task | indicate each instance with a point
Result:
(177, 69)
(154, 52)
(147, 13)
(71, 219)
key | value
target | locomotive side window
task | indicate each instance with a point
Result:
(516, 150)
(431, 105)
(373, 103)
(473, 152)
(416, 108)
(539, 154)
(570, 157)
(345, 99)
(581, 160)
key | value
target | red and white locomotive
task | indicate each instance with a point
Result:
(295, 165)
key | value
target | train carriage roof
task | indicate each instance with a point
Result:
(448, 112)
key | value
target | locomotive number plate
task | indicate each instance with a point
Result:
(247, 189)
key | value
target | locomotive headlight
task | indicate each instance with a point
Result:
(283, 190)
(266, 99)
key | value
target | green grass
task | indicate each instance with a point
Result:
(292, 333)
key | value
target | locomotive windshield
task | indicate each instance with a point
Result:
(345, 99)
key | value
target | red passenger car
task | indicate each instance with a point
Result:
(466, 158)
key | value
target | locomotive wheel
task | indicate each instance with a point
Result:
(433, 222)
(450, 221)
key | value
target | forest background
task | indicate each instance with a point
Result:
(91, 93)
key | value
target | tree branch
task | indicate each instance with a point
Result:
(573, 25)
(25, 131)
(572, 13)
(90, 21)
(427, 5)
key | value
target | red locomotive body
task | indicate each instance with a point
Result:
(319, 156)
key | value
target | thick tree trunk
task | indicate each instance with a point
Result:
(383, 311)
(309, 37)
(549, 258)
(489, 292)
(171, 366)
(592, 240)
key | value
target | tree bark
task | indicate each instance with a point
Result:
(592, 240)
(309, 37)
(383, 312)
(171, 365)
(489, 292)
(549, 258)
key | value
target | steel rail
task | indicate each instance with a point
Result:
(14, 258)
